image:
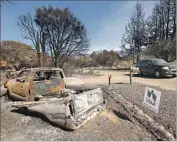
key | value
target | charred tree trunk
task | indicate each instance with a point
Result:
(39, 59)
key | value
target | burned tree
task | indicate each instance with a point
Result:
(56, 31)
(40, 21)
(5, 2)
(162, 30)
(135, 33)
(66, 35)
(27, 25)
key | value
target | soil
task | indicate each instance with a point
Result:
(110, 124)
(120, 77)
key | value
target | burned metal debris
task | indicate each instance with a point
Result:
(69, 112)
(29, 84)
(43, 90)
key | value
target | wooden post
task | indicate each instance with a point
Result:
(109, 78)
(109, 81)
(130, 74)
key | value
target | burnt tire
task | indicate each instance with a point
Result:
(140, 72)
(8, 97)
(12, 98)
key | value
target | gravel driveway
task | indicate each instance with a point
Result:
(167, 109)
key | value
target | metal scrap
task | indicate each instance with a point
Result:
(69, 112)
(30, 83)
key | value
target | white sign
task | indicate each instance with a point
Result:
(152, 99)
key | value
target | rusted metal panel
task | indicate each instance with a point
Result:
(17, 88)
(49, 87)
(31, 86)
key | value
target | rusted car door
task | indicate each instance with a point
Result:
(49, 82)
(57, 82)
(40, 83)
(20, 83)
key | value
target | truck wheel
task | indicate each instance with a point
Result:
(141, 73)
(8, 96)
(157, 74)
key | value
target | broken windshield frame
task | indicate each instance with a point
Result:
(22, 75)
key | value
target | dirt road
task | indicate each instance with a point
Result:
(119, 77)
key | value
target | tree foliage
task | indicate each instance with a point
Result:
(5, 1)
(156, 34)
(104, 58)
(57, 32)
(95, 59)
(15, 54)
(135, 33)
(30, 32)
(162, 30)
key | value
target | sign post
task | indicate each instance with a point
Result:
(130, 74)
(109, 78)
(152, 99)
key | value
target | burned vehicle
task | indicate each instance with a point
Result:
(43, 91)
(69, 112)
(11, 74)
(33, 83)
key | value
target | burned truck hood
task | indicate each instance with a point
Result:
(69, 112)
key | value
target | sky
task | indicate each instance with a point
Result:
(105, 21)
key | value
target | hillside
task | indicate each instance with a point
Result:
(16, 54)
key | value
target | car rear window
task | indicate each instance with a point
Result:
(159, 62)
(47, 75)
(141, 63)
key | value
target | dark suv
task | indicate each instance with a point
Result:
(156, 67)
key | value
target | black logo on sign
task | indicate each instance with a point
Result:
(151, 97)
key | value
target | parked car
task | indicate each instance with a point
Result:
(33, 83)
(156, 67)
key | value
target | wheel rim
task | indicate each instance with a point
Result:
(157, 74)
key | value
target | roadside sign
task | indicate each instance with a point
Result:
(152, 99)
